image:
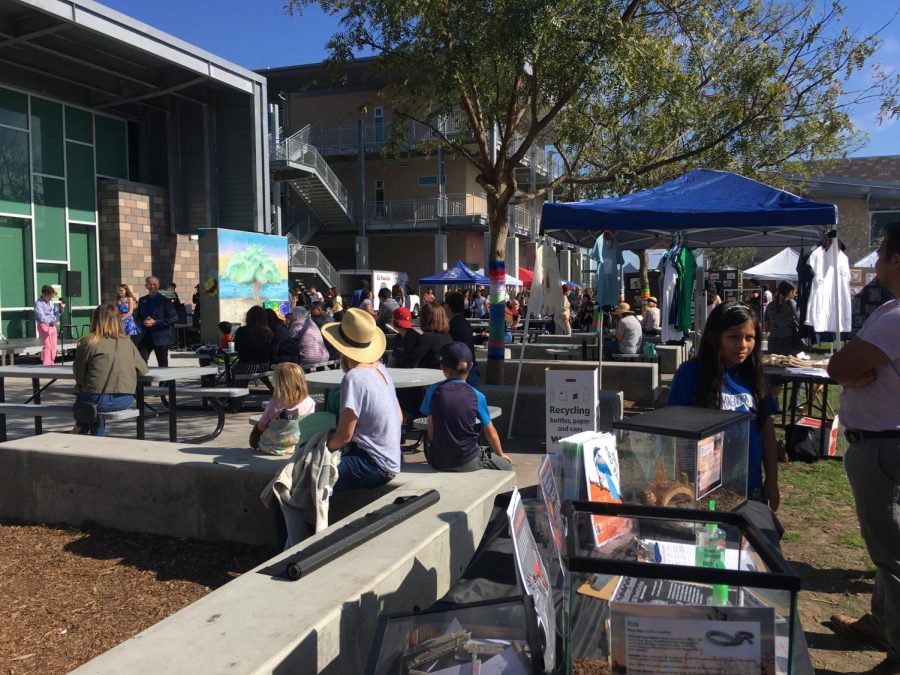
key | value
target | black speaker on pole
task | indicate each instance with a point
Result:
(73, 284)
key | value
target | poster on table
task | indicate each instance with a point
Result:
(552, 504)
(659, 625)
(532, 575)
(239, 270)
(571, 404)
(601, 475)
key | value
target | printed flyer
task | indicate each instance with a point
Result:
(710, 452)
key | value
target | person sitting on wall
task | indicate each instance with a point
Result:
(155, 315)
(453, 409)
(628, 333)
(369, 420)
(651, 322)
(284, 349)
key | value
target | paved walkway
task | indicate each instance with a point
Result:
(526, 453)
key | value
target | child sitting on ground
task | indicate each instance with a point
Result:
(453, 408)
(278, 430)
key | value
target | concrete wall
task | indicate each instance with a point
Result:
(530, 418)
(136, 240)
(638, 382)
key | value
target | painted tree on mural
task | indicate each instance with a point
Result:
(252, 266)
(629, 93)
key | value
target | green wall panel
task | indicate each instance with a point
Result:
(50, 218)
(13, 108)
(81, 319)
(15, 263)
(15, 195)
(47, 137)
(112, 147)
(19, 324)
(82, 182)
(79, 125)
(83, 258)
(50, 274)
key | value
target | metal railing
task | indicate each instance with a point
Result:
(407, 213)
(298, 149)
(311, 257)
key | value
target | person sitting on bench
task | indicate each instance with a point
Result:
(628, 333)
(453, 407)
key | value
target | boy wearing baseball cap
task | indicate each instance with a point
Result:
(453, 408)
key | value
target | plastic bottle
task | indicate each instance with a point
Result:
(710, 547)
(720, 591)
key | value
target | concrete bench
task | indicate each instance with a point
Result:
(54, 410)
(213, 394)
(637, 381)
(635, 358)
(255, 623)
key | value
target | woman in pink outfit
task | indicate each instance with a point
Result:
(46, 314)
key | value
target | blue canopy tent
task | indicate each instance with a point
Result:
(457, 273)
(714, 209)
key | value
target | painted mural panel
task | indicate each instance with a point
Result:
(252, 269)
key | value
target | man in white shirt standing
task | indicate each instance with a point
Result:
(868, 369)
(314, 295)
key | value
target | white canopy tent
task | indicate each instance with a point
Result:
(869, 260)
(781, 266)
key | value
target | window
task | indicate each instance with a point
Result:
(379, 125)
(380, 210)
(878, 219)
(427, 180)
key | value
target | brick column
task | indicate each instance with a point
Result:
(136, 241)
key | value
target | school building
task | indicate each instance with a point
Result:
(117, 143)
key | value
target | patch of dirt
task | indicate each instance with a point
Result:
(838, 577)
(68, 595)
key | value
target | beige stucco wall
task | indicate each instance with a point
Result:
(853, 226)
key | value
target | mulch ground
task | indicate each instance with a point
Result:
(68, 595)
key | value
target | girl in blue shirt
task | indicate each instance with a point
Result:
(727, 375)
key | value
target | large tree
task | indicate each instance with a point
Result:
(628, 92)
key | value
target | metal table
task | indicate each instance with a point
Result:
(403, 378)
(156, 375)
(784, 376)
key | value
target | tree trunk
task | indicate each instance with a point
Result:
(498, 216)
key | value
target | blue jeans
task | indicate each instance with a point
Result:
(357, 470)
(106, 403)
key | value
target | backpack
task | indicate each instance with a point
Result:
(648, 349)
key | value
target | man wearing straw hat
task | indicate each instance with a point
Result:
(628, 333)
(368, 428)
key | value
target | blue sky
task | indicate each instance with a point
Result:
(258, 34)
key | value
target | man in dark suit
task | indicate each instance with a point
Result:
(155, 314)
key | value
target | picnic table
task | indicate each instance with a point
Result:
(403, 378)
(563, 350)
(156, 375)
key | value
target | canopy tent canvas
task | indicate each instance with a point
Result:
(526, 276)
(457, 273)
(781, 266)
(711, 208)
(510, 280)
(869, 260)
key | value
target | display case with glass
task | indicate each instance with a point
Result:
(677, 591)
(684, 457)
(497, 636)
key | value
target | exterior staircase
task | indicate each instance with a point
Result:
(299, 163)
(310, 261)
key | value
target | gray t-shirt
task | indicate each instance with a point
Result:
(631, 334)
(374, 402)
(781, 318)
(386, 311)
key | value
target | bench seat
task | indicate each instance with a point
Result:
(59, 410)
(205, 392)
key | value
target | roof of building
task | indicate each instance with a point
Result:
(87, 53)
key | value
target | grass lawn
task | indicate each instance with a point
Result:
(822, 541)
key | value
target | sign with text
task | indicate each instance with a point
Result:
(571, 402)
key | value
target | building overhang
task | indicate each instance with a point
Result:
(86, 53)
(840, 187)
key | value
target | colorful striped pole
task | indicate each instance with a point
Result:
(497, 277)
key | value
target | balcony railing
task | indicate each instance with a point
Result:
(428, 213)
(298, 149)
(311, 257)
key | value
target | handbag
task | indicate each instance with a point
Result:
(87, 413)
